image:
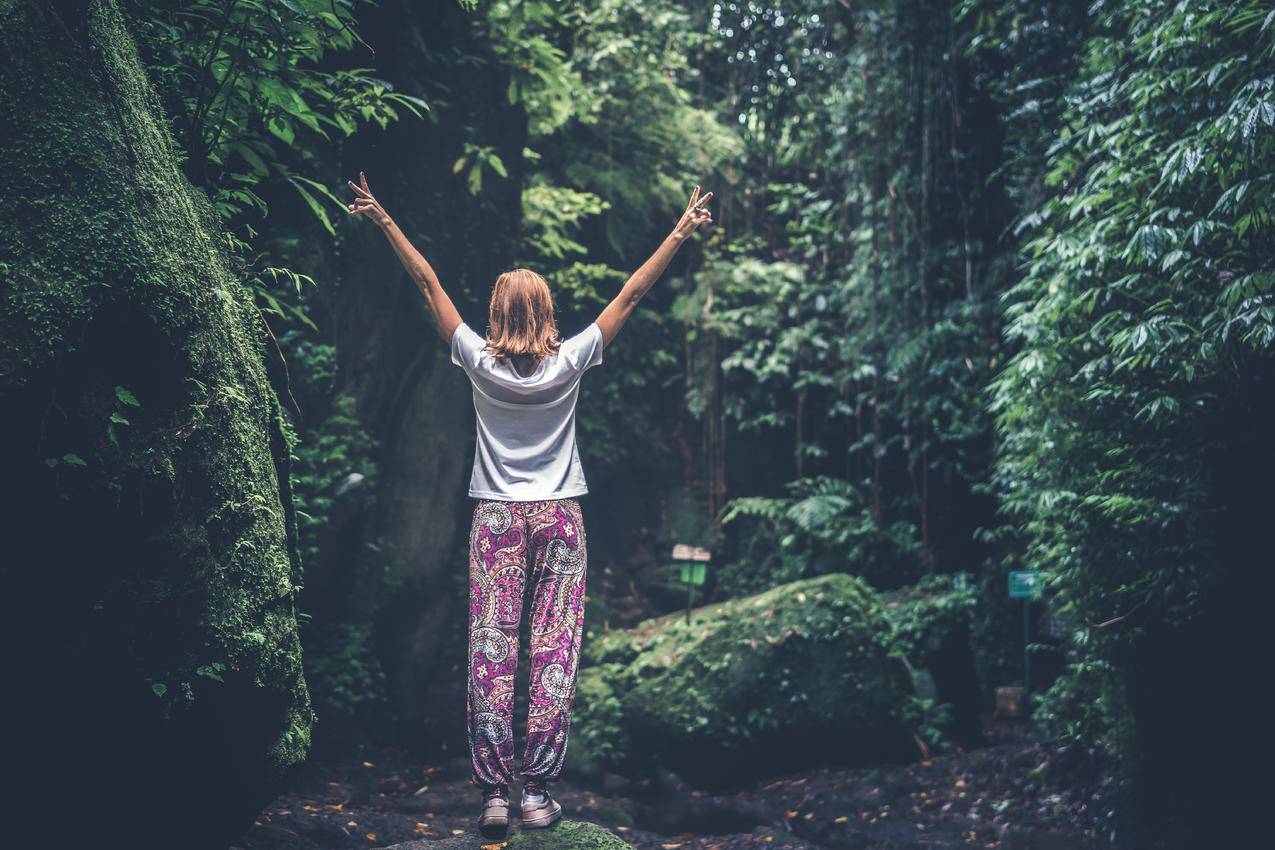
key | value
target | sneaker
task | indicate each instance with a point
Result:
(537, 814)
(494, 819)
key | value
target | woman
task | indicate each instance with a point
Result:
(527, 520)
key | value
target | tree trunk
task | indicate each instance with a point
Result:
(412, 584)
(150, 562)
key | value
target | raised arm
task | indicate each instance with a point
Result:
(422, 272)
(617, 312)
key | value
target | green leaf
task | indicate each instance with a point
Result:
(281, 130)
(313, 203)
(211, 671)
(159, 689)
(126, 397)
(254, 160)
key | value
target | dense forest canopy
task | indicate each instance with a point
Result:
(990, 289)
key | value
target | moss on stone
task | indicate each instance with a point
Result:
(933, 622)
(564, 835)
(800, 674)
(171, 543)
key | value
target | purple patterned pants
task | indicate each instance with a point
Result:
(508, 542)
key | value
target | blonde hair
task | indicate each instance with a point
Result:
(520, 320)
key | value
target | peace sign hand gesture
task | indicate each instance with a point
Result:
(696, 214)
(365, 204)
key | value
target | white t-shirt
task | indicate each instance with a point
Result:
(526, 448)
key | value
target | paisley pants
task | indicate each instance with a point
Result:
(508, 542)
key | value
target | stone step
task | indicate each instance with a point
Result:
(563, 835)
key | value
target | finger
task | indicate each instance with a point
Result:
(358, 190)
(363, 180)
(691, 204)
(704, 200)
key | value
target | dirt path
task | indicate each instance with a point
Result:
(991, 797)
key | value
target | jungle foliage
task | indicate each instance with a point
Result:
(991, 289)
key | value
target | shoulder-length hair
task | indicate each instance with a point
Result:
(520, 320)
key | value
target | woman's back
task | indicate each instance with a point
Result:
(526, 448)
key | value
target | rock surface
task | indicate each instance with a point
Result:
(150, 560)
(934, 621)
(564, 835)
(797, 676)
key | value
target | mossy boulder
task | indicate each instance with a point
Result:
(934, 622)
(800, 675)
(150, 564)
(564, 835)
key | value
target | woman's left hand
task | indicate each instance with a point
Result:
(365, 204)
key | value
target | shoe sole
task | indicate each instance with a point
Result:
(494, 829)
(543, 821)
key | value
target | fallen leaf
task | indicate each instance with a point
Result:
(420, 791)
(841, 820)
(371, 836)
(458, 832)
(368, 764)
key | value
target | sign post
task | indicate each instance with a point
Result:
(694, 569)
(1026, 585)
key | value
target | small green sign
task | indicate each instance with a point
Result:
(1025, 584)
(693, 572)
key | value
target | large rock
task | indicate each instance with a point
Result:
(934, 622)
(153, 669)
(564, 835)
(797, 676)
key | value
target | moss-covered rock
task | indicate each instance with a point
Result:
(799, 675)
(933, 622)
(564, 835)
(150, 559)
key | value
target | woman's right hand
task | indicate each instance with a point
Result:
(365, 204)
(695, 215)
